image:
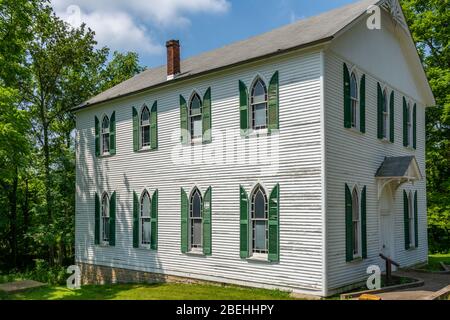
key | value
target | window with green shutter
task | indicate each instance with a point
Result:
(112, 134)
(348, 224)
(112, 220)
(184, 133)
(414, 134)
(136, 209)
(274, 224)
(184, 212)
(362, 104)
(135, 117)
(405, 123)
(355, 223)
(406, 214)
(154, 126)
(391, 117)
(243, 222)
(416, 220)
(380, 105)
(273, 112)
(97, 137)
(154, 221)
(347, 99)
(207, 117)
(243, 108)
(97, 220)
(207, 222)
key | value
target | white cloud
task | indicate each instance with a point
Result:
(125, 24)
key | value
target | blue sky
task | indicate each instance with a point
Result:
(200, 25)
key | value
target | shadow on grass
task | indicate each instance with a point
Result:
(160, 291)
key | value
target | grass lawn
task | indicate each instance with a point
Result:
(165, 291)
(434, 261)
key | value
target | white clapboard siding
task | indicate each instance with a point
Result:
(299, 175)
(354, 158)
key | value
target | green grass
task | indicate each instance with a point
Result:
(434, 261)
(165, 291)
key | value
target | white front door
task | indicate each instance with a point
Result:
(386, 234)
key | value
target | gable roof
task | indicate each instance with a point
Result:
(303, 33)
(398, 167)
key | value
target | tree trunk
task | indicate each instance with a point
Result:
(51, 251)
(13, 218)
(26, 224)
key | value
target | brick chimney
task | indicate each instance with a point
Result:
(173, 58)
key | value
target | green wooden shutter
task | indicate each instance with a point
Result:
(135, 130)
(416, 220)
(243, 223)
(112, 134)
(406, 219)
(391, 118)
(405, 123)
(154, 222)
(183, 120)
(347, 100)
(364, 222)
(415, 126)
(184, 221)
(112, 220)
(274, 99)
(97, 219)
(154, 126)
(207, 219)
(206, 116)
(135, 220)
(380, 99)
(348, 224)
(97, 137)
(274, 224)
(243, 108)
(362, 104)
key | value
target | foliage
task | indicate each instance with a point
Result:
(47, 68)
(429, 24)
(163, 291)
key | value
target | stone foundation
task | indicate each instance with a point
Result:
(96, 274)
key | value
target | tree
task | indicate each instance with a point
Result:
(429, 24)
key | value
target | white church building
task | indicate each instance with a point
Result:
(289, 160)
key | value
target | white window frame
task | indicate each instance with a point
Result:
(105, 220)
(105, 132)
(354, 102)
(141, 129)
(386, 119)
(195, 248)
(196, 117)
(357, 236)
(259, 253)
(253, 105)
(142, 218)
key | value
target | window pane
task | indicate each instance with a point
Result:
(146, 227)
(355, 237)
(355, 206)
(196, 124)
(353, 87)
(196, 233)
(354, 111)
(260, 236)
(260, 206)
(105, 123)
(260, 115)
(195, 106)
(196, 206)
(105, 142)
(145, 116)
(259, 93)
(145, 206)
(145, 136)
(105, 229)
